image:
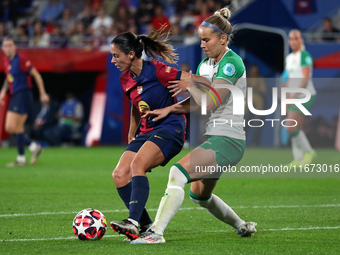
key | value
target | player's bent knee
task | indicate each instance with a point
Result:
(137, 167)
(201, 201)
(177, 177)
(10, 129)
(121, 177)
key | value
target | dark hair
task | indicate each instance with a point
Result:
(155, 44)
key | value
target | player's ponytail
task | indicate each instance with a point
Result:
(155, 44)
(219, 22)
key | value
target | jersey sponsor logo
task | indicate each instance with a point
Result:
(168, 69)
(177, 131)
(229, 69)
(158, 137)
(139, 89)
(10, 78)
(143, 107)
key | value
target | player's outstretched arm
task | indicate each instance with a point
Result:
(179, 108)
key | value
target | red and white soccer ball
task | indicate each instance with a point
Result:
(89, 224)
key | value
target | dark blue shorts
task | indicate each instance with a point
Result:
(170, 144)
(21, 102)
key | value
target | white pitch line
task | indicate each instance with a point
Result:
(182, 209)
(176, 233)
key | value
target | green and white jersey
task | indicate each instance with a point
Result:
(295, 62)
(231, 69)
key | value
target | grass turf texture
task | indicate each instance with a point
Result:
(294, 216)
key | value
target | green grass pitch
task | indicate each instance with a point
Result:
(38, 204)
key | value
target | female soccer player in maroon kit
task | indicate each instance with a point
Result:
(145, 83)
(18, 72)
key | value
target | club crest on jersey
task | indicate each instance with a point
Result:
(229, 69)
(139, 89)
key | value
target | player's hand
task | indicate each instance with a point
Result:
(157, 114)
(179, 86)
(44, 98)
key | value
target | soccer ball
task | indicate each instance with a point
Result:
(89, 224)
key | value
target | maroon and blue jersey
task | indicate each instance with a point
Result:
(149, 91)
(17, 73)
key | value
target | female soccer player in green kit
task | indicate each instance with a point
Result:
(299, 65)
(224, 145)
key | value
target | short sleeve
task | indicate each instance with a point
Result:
(166, 73)
(306, 59)
(230, 70)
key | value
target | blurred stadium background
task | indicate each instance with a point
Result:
(68, 42)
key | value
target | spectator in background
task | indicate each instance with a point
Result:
(190, 37)
(79, 35)
(57, 37)
(45, 119)
(52, 11)
(21, 36)
(259, 88)
(70, 117)
(187, 19)
(123, 19)
(132, 4)
(144, 15)
(67, 22)
(183, 6)
(133, 28)
(202, 13)
(8, 12)
(95, 4)
(101, 21)
(176, 34)
(3, 30)
(329, 32)
(159, 19)
(76, 6)
(86, 17)
(39, 37)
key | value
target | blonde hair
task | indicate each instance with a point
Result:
(220, 19)
(303, 47)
